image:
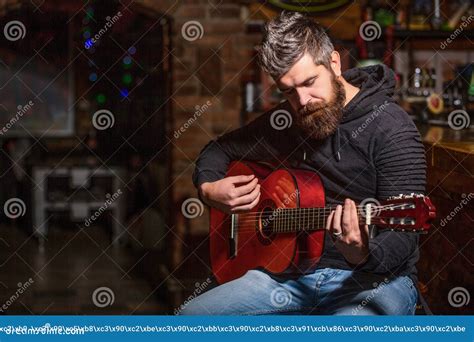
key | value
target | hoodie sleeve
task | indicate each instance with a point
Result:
(401, 169)
(257, 141)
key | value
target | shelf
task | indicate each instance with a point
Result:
(433, 34)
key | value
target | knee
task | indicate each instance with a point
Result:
(357, 311)
(190, 309)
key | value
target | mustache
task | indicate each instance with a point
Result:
(312, 107)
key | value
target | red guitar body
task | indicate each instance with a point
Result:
(253, 247)
(285, 230)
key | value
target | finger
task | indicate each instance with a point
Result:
(247, 207)
(246, 199)
(241, 178)
(347, 217)
(329, 222)
(354, 216)
(336, 223)
(247, 188)
(330, 227)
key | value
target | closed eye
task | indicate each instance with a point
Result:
(310, 82)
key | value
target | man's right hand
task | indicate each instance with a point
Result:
(232, 195)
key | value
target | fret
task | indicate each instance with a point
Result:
(309, 227)
(288, 218)
(319, 217)
(277, 224)
(301, 213)
(298, 212)
(303, 227)
(293, 221)
(285, 224)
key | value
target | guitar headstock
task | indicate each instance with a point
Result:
(405, 213)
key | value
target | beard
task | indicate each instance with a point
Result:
(320, 120)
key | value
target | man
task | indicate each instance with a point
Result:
(348, 129)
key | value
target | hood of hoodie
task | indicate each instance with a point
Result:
(377, 86)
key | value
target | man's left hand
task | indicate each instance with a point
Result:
(350, 239)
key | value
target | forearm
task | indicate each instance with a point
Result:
(389, 251)
(257, 141)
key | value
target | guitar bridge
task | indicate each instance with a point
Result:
(233, 236)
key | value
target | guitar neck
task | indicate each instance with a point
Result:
(291, 220)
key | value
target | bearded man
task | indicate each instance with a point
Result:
(346, 127)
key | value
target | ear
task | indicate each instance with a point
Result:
(336, 63)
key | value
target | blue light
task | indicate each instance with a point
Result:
(127, 60)
(132, 50)
(93, 77)
(87, 35)
(88, 44)
(124, 93)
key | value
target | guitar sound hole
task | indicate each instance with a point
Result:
(266, 223)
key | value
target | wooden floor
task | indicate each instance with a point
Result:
(65, 275)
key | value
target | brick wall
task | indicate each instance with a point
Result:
(206, 82)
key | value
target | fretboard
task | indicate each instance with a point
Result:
(291, 220)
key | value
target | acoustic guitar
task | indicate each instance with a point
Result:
(287, 226)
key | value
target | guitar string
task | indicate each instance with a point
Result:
(300, 228)
(306, 212)
(284, 225)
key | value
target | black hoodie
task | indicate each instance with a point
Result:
(375, 153)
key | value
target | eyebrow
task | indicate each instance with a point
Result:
(306, 80)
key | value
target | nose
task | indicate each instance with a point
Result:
(303, 97)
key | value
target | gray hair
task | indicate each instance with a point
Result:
(287, 37)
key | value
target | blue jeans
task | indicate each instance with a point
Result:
(327, 291)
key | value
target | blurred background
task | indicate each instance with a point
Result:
(105, 105)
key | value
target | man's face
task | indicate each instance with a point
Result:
(315, 95)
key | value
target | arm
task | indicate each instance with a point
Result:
(401, 169)
(257, 141)
(400, 165)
